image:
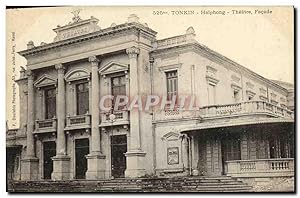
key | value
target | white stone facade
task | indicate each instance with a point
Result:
(232, 102)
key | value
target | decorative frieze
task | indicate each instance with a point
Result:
(133, 52)
(94, 61)
(76, 28)
(29, 74)
(60, 68)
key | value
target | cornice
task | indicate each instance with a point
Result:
(89, 36)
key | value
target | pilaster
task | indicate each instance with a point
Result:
(30, 163)
(96, 159)
(61, 162)
(135, 156)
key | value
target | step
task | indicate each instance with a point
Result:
(178, 184)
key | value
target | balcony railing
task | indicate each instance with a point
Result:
(248, 107)
(172, 41)
(261, 167)
(78, 121)
(121, 118)
(44, 126)
(219, 111)
(175, 114)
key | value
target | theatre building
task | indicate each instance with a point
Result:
(242, 124)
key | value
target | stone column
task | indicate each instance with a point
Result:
(185, 154)
(30, 163)
(96, 160)
(61, 162)
(135, 156)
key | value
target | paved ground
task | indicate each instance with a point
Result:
(283, 185)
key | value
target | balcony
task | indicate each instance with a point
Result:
(78, 122)
(121, 118)
(246, 108)
(45, 126)
(217, 115)
(176, 114)
(261, 167)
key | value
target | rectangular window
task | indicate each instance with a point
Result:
(279, 147)
(231, 147)
(50, 103)
(236, 96)
(172, 84)
(211, 94)
(118, 88)
(82, 98)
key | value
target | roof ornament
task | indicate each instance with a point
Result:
(76, 17)
(133, 18)
(190, 30)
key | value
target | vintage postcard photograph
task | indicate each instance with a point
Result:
(150, 99)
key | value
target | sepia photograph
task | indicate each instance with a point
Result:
(166, 99)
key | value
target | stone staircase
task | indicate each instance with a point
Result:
(195, 184)
(178, 184)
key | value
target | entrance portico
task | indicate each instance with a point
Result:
(235, 150)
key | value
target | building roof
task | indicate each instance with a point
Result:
(188, 40)
(82, 30)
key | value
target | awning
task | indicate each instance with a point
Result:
(234, 122)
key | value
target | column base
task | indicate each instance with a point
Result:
(96, 166)
(135, 164)
(30, 168)
(61, 168)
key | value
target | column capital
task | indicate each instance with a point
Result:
(94, 60)
(60, 68)
(132, 52)
(29, 74)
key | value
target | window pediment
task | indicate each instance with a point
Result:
(77, 74)
(45, 80)
(236, 87)
(250, 93)
(171, 136)
(171, 67)
(212, 80)
(113, 67)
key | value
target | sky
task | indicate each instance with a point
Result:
(261, 42)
